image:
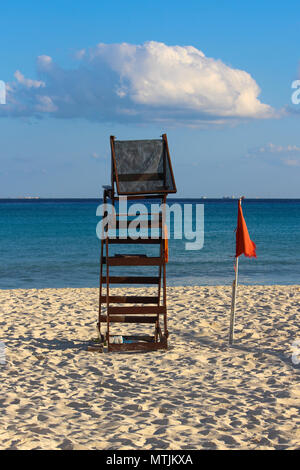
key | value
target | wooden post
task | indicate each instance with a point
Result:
(233, 302)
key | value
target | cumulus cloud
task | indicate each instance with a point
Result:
(152, 82)
(288, 155)
(28, 82)
(272, 148)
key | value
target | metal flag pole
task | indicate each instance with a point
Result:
(233, 302)
(234, 291)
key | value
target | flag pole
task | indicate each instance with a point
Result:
(233, 302)
(234, 291)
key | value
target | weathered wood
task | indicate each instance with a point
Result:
(132, 260)
(135, 310)
(150, 308)
(138, 241)
(125, 224)
(164, 136)
(131, 280)
(128, 319)
(130, 299)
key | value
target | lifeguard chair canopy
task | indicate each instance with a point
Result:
(142, 166)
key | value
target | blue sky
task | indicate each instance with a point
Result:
(215, 76)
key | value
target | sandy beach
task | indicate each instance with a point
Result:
(200, 394)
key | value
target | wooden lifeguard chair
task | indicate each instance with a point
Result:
(140, 169)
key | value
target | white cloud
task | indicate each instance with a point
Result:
(45, 104)
(155, 74)
(288, 155)
(44, 61)
(151, 82)
(80, 54)
(3, 89)
(28, 82)
(272, 148)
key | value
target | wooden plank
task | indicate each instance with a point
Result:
(134, 310)
(138, 241)
(141, 177)
(133, 261)
(164, 136)
(131, 280)
(128, 319)
(150, 215)
(125, 224)
(130, 299)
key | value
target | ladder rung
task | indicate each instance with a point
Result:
(135, 310)
(138, 241)
(124, 224)
(133, 260)
(131, 280)
(152, 215)
(128, 319)
(130, 299)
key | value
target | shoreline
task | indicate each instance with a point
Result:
(200, 394)
(188, 286)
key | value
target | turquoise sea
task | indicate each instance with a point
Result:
(53, 243)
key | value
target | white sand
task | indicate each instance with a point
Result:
(199, 394)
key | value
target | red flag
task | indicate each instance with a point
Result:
(243, 242)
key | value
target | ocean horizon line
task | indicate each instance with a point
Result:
(96, 199)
